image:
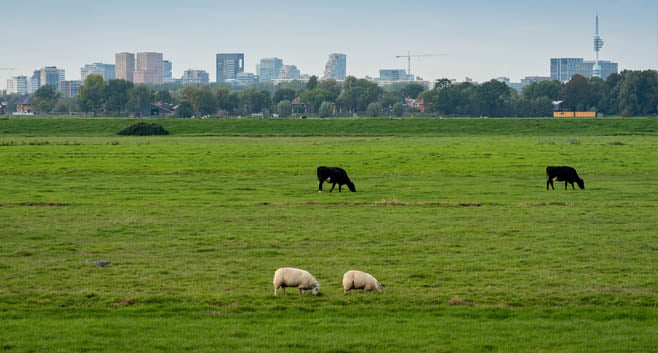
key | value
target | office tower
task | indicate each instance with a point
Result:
(289, 72)
(105, 70)
(195, 77)
(394, 75)
(125, 66)
(51, 76)
(246, 78)
(269, 69)
(34, 82)
(166, 71)
(562, 69)
(18, 85)
(588, 69)
(229, 66)
(336, 67)
(70, 88)
(148, 68)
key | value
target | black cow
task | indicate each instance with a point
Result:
(565, 174)
(334, 176)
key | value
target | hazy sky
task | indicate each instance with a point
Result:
(482, 39)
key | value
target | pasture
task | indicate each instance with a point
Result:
(451, 215)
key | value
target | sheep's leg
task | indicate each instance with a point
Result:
(301, 291)
(275, 290)
(284, 290)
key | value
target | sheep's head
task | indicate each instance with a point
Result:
(351, 186)
(581, 183)
(379, 287)
(316, 289)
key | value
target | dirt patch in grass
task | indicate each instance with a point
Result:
(376, 203)
(36, 204)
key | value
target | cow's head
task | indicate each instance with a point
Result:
(581, 183)
(351, 186)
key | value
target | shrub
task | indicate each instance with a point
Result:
(373, 109)
(398, 109)
(144, 129)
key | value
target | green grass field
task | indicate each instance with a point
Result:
(451, 215)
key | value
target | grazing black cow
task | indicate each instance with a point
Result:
(334, 176)
(565, 174)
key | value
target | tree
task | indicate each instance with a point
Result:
(282, 94)
(92, 93)
(493, 98)
(398, 109)
(45, 98)
(638, 93)
(326, 109)
(373, 109)
(412, 90)
(312, 83)
(204, 101)
(315, 97)
(442, 83)
(284, 108)
(163, 96)
(254, 101)
(117, 95)
(139, 99)
(227, 100)
(576, 93)
(550, 89)
(185, 110)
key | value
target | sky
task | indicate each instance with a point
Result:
(471, 38)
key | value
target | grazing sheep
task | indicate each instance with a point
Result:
(294, 277)
(360, 280)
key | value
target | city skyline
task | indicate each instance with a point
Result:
(509, 38)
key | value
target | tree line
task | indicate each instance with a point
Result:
(629, 93)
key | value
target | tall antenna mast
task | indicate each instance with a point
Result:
(598, 44)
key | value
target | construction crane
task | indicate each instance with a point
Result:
(409, 56)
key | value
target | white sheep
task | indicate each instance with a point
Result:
(360, 280)
(294, 277)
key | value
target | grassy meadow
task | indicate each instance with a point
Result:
(451, 215)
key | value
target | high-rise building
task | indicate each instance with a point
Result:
(125, 66)
(336, 67)
(70, 88)
(51, 76)
(269, 69)
(34, 82)
(588, 69)
(562, 69)
(394, 75)
(289, 72)
(195, 77)
(166, 71)
(229, 66)
(148, 68)
(105, 70)
(18, 85)
(246, 78)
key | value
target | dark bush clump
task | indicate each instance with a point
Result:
(144, 129)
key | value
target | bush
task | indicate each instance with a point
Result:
(373, 109)
(326, 109)
(398, 109)
(144, 129)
